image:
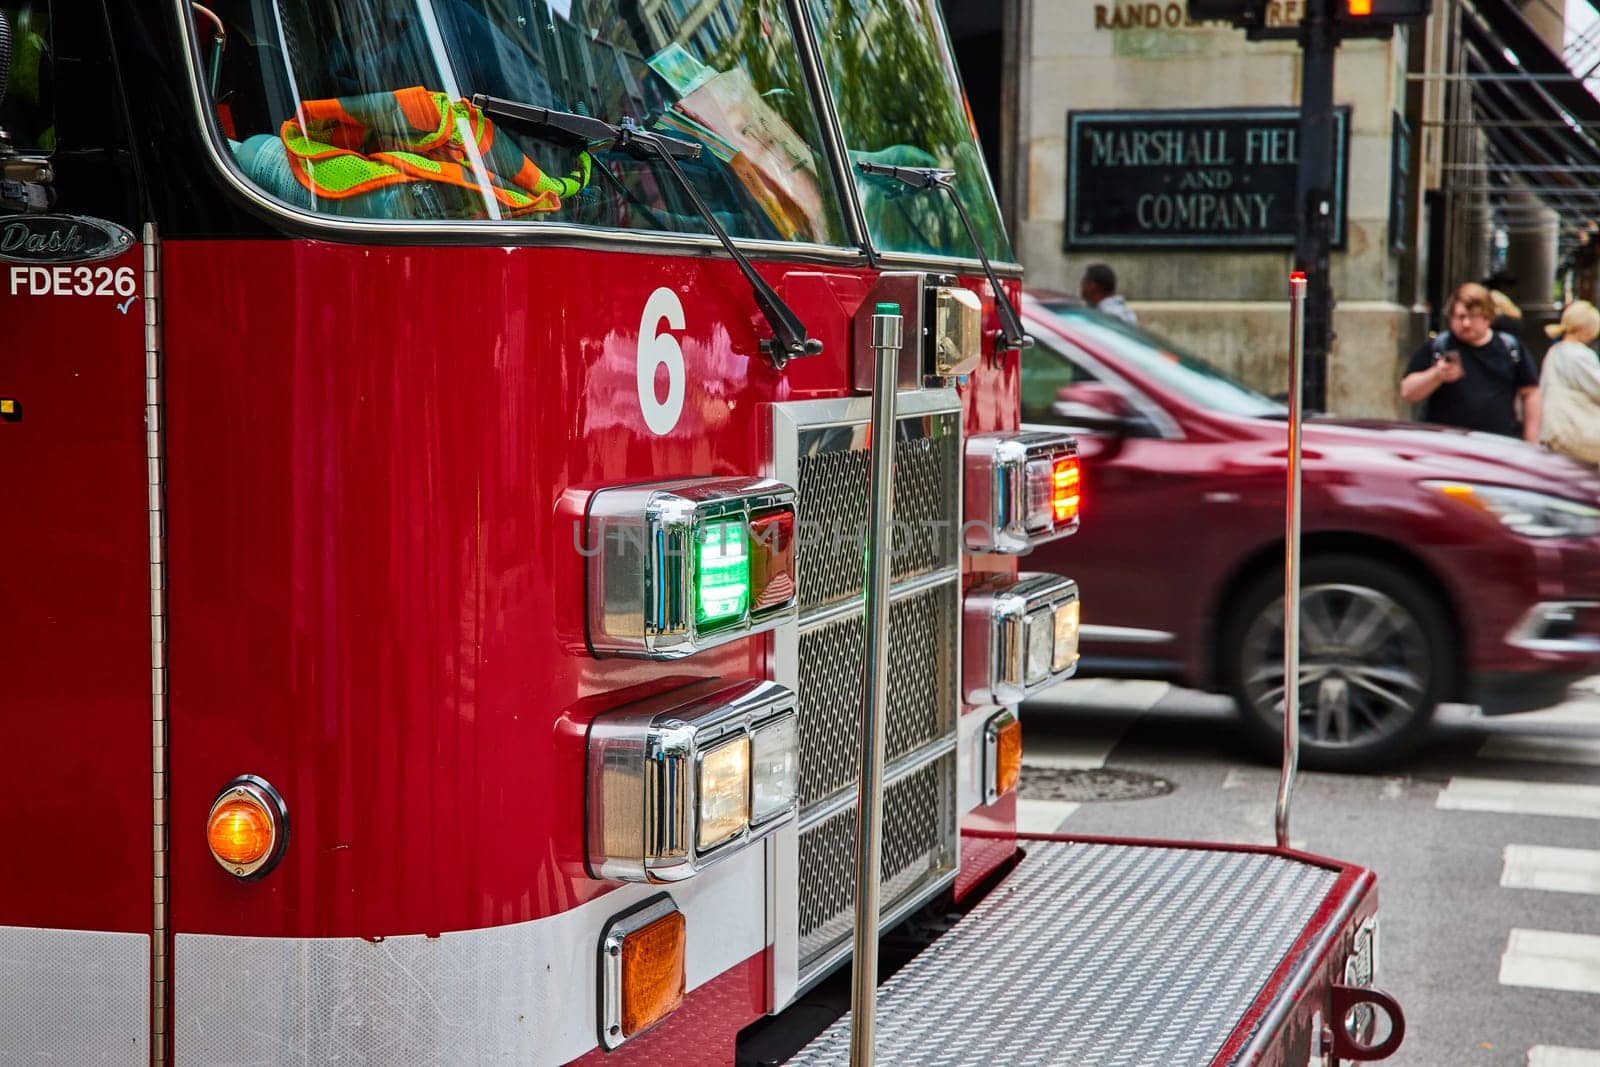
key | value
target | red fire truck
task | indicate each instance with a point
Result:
(435, 443)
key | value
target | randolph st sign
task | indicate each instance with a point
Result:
(1182, 179)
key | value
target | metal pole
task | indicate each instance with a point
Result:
(886, 345)
(1291, 570)
(1314, 191)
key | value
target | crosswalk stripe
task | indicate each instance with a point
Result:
(1070, 754)
(1542, 749)
(1042, 816)
(1560, 870)
(1082, 751)
(1560, 1056)
(1520, 798)
(1549, 959)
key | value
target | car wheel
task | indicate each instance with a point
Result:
(1376, 654)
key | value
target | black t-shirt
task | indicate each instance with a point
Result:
(1485, 397)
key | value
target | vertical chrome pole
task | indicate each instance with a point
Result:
(1291, 569)
(886, 345)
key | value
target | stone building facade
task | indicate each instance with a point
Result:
(1225, 302)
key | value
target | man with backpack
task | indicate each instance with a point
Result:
(1472, 376)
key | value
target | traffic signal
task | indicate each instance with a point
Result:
(1351, 18)
(1382, 10)
(1376, 18)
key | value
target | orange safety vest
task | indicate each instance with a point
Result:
(351, 145)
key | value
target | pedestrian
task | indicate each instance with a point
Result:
(1507, 315)
(1099, 291)
(1472, 376)
(1569, 385)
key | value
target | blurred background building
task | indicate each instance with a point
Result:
(1123, 133)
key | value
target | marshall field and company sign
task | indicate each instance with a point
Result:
(1181, 179)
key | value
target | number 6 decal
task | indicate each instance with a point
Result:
(660, 350)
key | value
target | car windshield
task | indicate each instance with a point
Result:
(361, 108)
(895, 84)
(1186, 374)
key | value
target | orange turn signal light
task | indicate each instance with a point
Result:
(652, 973)
(247, 827)
(641, 969)
(1008, 756)
(1002, 755)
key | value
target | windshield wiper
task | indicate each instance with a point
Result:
(1011, 332)
(789, 338)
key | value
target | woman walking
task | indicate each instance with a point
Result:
(1569, 385)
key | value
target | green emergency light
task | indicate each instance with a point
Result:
(722, 573)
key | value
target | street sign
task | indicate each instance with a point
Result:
(1209, 178)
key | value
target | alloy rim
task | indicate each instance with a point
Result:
(1364, 665)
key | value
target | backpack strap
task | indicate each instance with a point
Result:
(1513, 346)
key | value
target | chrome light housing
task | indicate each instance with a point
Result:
(1021, 490)
(679, 781)
(957, 342)
(1018, 636)
(677, 567)
(943, 330)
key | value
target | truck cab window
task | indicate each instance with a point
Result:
(360, 108)
(27, 112)
(895, 84)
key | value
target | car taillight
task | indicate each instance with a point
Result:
(1022, 489)
(678, 567)
(1019, 635)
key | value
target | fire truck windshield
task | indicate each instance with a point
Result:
(895, 85)
(358, 108)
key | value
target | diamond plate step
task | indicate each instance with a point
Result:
(1095, 955)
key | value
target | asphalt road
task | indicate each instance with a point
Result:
(1487, 850)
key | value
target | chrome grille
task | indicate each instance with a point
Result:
(918, 824)
(922, 655)
(831, 491)
(822, 450)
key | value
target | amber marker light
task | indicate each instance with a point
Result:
(248, 827)
(1002, 755)
(642, 973)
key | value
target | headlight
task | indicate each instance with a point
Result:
(724, 792)
(1529, 514)
(774, 769)
(679, 780)
(1019, 635)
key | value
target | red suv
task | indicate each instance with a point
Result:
(1439, 565)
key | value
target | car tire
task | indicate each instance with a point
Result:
(1377, 656)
